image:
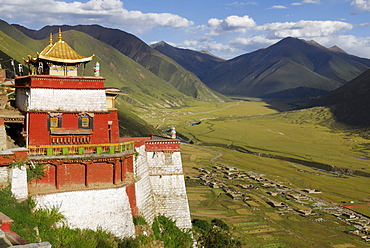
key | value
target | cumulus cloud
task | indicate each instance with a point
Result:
(304, 28)
(105, 12)
(361, 5)
(360, 46)
(231, 24)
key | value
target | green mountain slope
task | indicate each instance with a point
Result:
(281, 68)
(197, 62)
(350, 103)
(162, 66)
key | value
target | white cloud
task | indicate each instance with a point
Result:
(278, 7)
(231, 24)
(359, 46)
(104, 12)
(306, 2)
(311, 1)
(304, 28)
(252, 43)
(361, 5)
(242, 3)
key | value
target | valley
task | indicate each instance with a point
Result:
(223, 134)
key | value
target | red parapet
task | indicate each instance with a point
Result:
(162, 145)
(60, 82)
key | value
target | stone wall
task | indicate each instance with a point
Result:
(168, 187)
(160, 190)
(107, 208)
(144, 193)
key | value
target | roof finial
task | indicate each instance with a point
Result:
(60, 35)
(51, 39)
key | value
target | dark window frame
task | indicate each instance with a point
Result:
(81, 120)
(51, 118)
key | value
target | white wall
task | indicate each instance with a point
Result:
(107, 208)
(144, 194)
(168, 187)
(18, 180)
(66, 99)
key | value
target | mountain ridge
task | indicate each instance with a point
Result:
(284, 66)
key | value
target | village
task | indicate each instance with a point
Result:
(250, 187)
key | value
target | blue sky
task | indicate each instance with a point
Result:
(226, 28)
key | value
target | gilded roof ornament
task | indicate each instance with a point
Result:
(59, 52)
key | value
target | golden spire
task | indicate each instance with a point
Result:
(51, 39)
(60, 35)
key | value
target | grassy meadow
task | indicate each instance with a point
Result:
(258, 128)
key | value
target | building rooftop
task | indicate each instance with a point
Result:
(59, 52)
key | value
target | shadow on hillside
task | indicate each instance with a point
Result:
(283, 105)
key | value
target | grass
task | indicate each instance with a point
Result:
(258, 129)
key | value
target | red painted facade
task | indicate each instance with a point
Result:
(83, 174)
(104, 129)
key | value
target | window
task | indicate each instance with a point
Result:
(55, 121)
(85, 121)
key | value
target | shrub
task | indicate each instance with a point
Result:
(140, 221)
(165, 230)
(201, 224)
(221, 224)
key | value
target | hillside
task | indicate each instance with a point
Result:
(350, 103)
(281, 68)
(194, 61)
(134, 48)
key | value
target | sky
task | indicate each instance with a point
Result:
(226, 28)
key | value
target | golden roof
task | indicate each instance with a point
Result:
(60, 52)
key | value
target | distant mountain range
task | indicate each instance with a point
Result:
(162, 76)
(291, 68)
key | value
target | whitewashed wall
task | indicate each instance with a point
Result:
(144, 194)
(68, 100)
(108, 209)
(168, 187)
(18, 180)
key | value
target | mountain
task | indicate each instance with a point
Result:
(285, 66)
(194, 61)
(134, 48)
(350, 103)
